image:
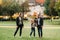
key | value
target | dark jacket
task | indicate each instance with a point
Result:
(18, 20)
(40, 22)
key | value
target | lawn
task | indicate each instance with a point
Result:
(6, 33)
(54, 22)
(46, 22)
(48, 34)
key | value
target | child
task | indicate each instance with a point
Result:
(32, 27)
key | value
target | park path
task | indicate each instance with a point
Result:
(44, 27)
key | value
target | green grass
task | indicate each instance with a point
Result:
(48, 34)
(13, 23)
(54, 22)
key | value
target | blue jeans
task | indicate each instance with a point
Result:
(32, 31)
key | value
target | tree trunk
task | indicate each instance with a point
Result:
(10, 18)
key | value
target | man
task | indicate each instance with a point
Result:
(19, 22)
(39, 25)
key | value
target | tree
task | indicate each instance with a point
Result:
(0, 10)
(57, 6)
(46, 4)
(25, 7)
(49, 5)
(9, 7)
(50, 8)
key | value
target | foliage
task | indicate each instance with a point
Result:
(0, 10)
(57, 7)
(10, 7)
(50, 10)
(25, 6)
(47, 2)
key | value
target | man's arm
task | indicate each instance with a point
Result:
(17, 21)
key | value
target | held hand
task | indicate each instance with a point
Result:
(42, 26)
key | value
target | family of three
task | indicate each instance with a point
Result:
(37, 22)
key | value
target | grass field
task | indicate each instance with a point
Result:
(46, 22)
(6, 33)
(48, 34)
